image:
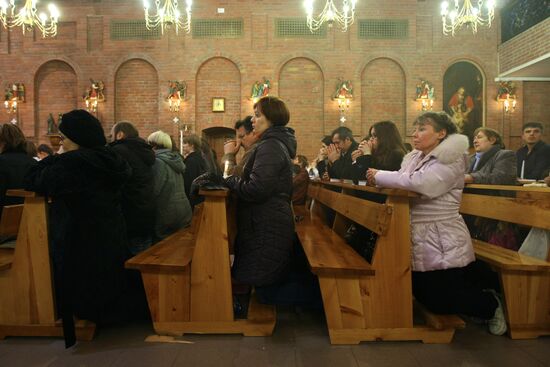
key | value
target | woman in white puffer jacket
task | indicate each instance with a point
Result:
(441, 245)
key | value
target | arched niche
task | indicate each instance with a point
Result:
(217, 77)
(383, 94)
(463, 96)
(56, 91)
(137, 95)
(301, 83)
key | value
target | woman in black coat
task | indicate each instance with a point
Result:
(265, 223)
(14, 163)
(87, 227)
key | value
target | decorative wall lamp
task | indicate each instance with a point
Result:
(93, 95)
(168, 15)
(27, 17)
(13, 96)
(425, 95)
(344, 95)
(177, 91)
(507, 95)
(259, 90)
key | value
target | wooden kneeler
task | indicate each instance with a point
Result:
(27, 302)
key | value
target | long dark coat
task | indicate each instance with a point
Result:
(265, 224)
(13, 166)
(87, 231)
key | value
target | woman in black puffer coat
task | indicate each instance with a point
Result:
(265, 223)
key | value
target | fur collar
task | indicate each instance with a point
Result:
(448, 151)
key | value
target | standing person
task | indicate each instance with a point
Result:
(173, 210)
(441, 244)
(491, 164)
(137, 194)
(339, 154)
(87, 227)
(534, 157)
(265, 225)
(245, 138)
(14, 163)
(194, 162)
(381, 149)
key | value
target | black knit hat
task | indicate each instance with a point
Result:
(82, 128)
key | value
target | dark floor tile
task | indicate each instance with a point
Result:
(158, 355)
(329, 356)
(383, 354)
(539, 351)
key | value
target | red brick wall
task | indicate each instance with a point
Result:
(137, 96)
(301, 86)
(228, 67)
(218, 77)
(383, 95)
(536, 96)
(56, 93)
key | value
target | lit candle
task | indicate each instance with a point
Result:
(226, 169)
(181, 142)
(522, 169)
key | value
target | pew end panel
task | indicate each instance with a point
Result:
(27, 306)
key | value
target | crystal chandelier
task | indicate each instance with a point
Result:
(331, 15)
(468, 15)
(168, 15)
(27, 17)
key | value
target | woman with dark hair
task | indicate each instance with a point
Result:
(441, 246)
(14, 163)
(381, 149)
(491, 164)
(195, 165)
(265, 223)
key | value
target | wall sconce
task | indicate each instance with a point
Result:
(14, 93)
(260, 90)
(507, 95)
(93, 95)
(177, 92)
(344, 95)
(425, 95)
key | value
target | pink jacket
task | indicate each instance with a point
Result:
(440, 238)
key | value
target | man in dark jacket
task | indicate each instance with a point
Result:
(137, 194)
(339, 154)
(195, 165)
(534, 157)
(14, 163)
(86, 224)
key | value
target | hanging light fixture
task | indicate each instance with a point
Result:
(27, 17)
(168, 15)
(331, 15)
(467, 14)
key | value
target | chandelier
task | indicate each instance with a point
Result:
(468, 15)
(27, 17)
(168, 15)
(331, 15)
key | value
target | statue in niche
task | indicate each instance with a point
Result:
(52, 126)
(344, 89)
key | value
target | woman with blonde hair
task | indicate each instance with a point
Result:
(173, 210)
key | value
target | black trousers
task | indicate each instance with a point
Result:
(456, 291)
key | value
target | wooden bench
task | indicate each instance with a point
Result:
(362, 301)
(187, 277)
(9, 226)
(27, 306)
(525, 280)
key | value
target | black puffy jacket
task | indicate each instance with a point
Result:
(265, 223)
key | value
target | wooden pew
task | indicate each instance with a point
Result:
(9, 226)
(188, 281)
(525, 281)
(362, 301)
(27, 306)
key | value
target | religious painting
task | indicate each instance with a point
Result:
(463, 97)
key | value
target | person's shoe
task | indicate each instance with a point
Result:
(497, 325)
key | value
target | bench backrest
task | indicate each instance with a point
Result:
(10, 220)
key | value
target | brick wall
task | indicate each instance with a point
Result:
(136, 73)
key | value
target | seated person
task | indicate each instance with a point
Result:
(491, 164)
(43, 150)
(14, 163)
(441, 246)
(300, 180)
(87, 228)
(534, 157)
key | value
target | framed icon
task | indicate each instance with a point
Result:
(218, 104)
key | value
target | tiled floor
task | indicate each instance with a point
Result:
(299, 340)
